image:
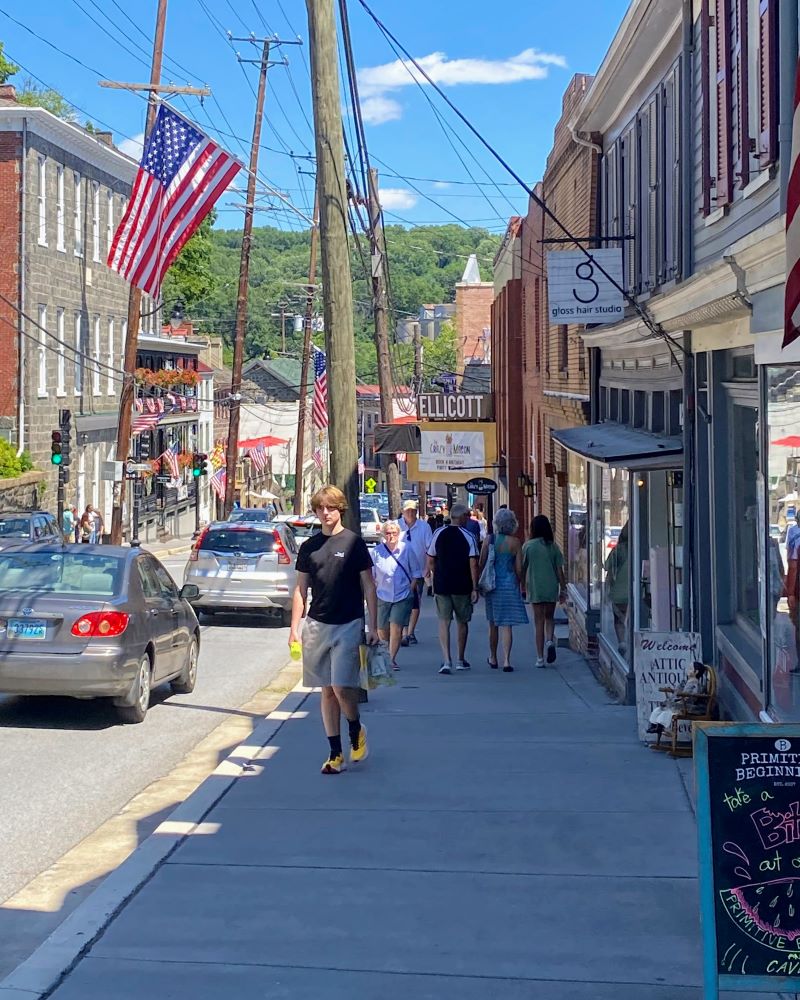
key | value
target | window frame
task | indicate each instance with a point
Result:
(110, 387)
(41, 350)
(96, 357)
(96, 222)
(79, 367)
(41, 199)
(77, 213)
(61, 245)
(61, 357)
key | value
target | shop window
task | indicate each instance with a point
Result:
(743, 367)
(744, 513)
(613, 404)
(675, 411)
(639, 408)
(609, 585)
(657, 413)
(624, 406)
(603, 403)
(577, 515)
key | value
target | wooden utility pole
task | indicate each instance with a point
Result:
(421, 485)
(135, 296)
(336, 276)
(380, 309)
(300, 457)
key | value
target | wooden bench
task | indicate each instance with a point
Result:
(690, 708)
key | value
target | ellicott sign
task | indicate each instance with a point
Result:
(454, 406)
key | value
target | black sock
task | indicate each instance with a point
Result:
(355, 728)
(336, 745)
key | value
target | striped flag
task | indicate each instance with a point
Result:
(144, 422)
(317, 456)
(170, 456)
(181, 175)
(218, 481)
(791, 330)
(319, 411)
(361, 464)
(258, 456)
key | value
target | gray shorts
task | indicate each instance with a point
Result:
(330, 654)
(395, 613)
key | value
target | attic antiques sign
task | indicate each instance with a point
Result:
(455, 406)
(579, 292)
(748, 812)
(661, 659)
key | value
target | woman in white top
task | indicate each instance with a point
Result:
(396, 570)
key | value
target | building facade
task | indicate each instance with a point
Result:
(474, 299)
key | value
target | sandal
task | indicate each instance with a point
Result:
(508, 670)
(492, 665)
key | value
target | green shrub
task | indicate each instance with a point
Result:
(10, 464)
(25, 462)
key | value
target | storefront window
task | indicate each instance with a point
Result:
(745, 519)
(578, 512)
(615, 556)
(660, 582)
(782, 528)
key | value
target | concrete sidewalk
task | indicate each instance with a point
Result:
(508, 837)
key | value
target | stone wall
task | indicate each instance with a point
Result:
(24, 493)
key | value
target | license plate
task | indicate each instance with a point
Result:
(242, 565)
(27, 628)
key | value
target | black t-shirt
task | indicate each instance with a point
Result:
(334, 563)
(453, 548)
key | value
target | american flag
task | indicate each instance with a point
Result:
(791, 330)
(258, 456)
(217, 482)
(170, 456)
(319, 409)
(318, 457)
(181, 175)
(361, 464)
(144, 422)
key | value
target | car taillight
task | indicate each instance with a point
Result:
(283, 555)
(101, 624)
(195, 548)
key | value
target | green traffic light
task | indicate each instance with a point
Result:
(56, 459)
(195, 473)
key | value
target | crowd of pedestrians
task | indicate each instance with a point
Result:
(458, 558)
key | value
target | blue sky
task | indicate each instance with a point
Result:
(504, 63)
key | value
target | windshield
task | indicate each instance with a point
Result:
(238, 540)
(15, 527)
(248, 515)
(61, 573)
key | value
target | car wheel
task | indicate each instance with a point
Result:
(185, 682)
(210, 612)
(136, 712)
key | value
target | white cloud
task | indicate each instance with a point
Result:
(133, 147)
(392, 198)
(377, 110)
(376, 82)
(441, 185)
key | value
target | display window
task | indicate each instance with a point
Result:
(578, 531)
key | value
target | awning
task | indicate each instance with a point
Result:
(392, 438)
(267, 441)
(618, 446)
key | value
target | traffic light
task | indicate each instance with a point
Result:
(65, 421)
(144, 446)
(56, 455)
(204, 465)
(199, 465)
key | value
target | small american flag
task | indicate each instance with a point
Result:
(170, 456)
(258, 456)
(144, 422)
(319, 409)
(181, 175)
(217, 483)
(318, 457)
(361, 464)
(791, 330)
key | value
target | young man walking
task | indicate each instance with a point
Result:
(336, 565)
(418, 535)
(453, 561)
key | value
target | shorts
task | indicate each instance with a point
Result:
(416, 594)
(330, 654)
(459, 605)
(395, 612)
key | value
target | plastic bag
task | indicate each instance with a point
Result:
(376, 666)
(487, 581)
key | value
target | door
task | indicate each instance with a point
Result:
(178, 615)
(161, 624)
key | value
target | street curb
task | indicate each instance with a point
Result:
(178, 550)
(44, 970)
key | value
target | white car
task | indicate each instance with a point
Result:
(370, 525)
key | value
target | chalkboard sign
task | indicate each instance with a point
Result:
(748, 781)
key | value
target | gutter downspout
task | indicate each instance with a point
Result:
(21, 368)
(787, 62)
(583, 141)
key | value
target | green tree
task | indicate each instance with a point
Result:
(440, 355)
(7, 68)
(190, 278)
(36, 96)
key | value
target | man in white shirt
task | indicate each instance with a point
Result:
(418, 535)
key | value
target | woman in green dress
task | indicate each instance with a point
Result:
(541, 565)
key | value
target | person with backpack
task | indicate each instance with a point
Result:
(541, 565)
(398, 575)
(504, 605)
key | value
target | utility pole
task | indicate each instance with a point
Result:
(380, 309)
(135, 297)
(421, 485)
(300, 458)
(232, 451)
(336, 276)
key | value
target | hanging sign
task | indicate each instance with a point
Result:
(579, 292)
(662, 659)
(450, 450)
(480, 486)
(455, 406)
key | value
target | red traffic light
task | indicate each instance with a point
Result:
(56, 437)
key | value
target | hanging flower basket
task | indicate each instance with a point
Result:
(166, 378)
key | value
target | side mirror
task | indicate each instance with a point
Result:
(190, 592)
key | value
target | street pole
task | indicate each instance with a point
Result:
(300, 457)
(421, 485)
(335, 252)
(380, 309)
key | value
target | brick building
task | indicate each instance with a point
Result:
(62, 193)
(473, 317)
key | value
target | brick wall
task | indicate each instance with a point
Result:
(22, 493)
(533, 294)
(507, 379)
(10, 160)
(473, 317)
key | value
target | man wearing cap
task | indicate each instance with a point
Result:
(418, 535)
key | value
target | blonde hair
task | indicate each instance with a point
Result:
(329, 496)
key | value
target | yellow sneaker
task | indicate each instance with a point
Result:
(360, 752)
(334, 765)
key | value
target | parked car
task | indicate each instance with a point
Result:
(244, 567)
(252, 514)
(370, 525)
(94, 621)
(302, 525)
(435, 505)
(28, 525)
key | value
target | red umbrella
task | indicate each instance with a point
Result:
(792, 441)
(267, 441)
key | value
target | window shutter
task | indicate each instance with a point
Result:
(724, 185)
(767, 84)
(652, 274)
(670, 202)
(628, 207)
(739, 37)
(705, 105)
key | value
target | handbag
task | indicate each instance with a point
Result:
(375, 666)
(488, 579)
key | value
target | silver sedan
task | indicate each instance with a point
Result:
(94, 621)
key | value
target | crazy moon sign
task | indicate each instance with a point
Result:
(451, 451)
(577, 289)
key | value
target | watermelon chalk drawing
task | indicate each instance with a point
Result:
(768, 912)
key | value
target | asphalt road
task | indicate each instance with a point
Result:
(68, 766)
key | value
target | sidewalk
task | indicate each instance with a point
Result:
(508, 837)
